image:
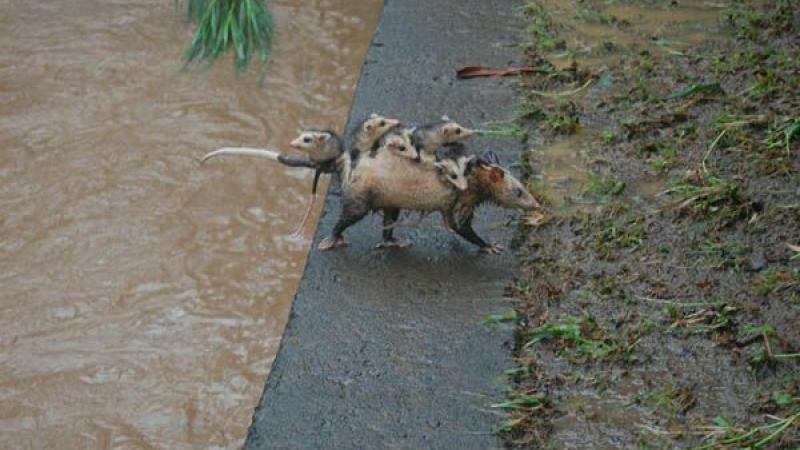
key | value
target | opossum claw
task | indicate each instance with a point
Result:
(394, 243)
(493, 249)
(329, 243)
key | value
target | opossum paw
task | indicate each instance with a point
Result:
(493, 249)
(394, 243)
(329, 243)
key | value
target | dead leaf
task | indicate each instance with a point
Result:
(795, 248)
(483, 71)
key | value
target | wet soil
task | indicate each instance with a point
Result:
(660, 305)
(144, 295)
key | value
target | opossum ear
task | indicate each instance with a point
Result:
(469, 163)
(373, 116)
(496, 174)
(445, 118)
(490, 157)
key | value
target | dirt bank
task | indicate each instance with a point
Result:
(661, 298)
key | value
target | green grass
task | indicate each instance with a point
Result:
(716, 254)
(242, 25)
(670, 399)
(710, 196)
(604, 186)
(580, 339)
(541, 29)
(629, 234)
(724, 435)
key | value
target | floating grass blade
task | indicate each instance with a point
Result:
(244, 25)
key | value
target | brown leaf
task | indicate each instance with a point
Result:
(483, 71)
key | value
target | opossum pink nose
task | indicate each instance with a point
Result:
(294, 144)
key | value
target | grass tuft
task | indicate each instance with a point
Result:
(242, 25)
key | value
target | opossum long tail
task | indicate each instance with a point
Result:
(259, 152)
(299, 229)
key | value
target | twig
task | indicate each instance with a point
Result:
(766, 345)
(564, 93)
(711, 148)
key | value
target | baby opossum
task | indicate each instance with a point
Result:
(451, 162)
(429, 138)
(323, 148)
(364, 137)
(399, 143)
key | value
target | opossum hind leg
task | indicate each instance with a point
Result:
(352, 212)
(390, 217)
(464, 229)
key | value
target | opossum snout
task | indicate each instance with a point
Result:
(529, 203)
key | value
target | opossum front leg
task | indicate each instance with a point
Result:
(353, 210)
(464, 229)
(390, 216)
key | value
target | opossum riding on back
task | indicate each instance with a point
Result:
(429, 138)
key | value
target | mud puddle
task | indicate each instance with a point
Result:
(144, 295)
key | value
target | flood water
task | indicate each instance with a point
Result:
(144, 295)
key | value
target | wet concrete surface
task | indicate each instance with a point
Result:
(387, 348)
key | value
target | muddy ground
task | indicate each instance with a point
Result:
(660, 301)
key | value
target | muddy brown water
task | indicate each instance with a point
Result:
(144, 295)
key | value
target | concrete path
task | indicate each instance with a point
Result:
(386, 348)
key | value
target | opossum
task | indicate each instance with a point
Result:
(389, 184)
(451, 162)
(364, 137)
(324, 148)
(393, 180)
(429, 138)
